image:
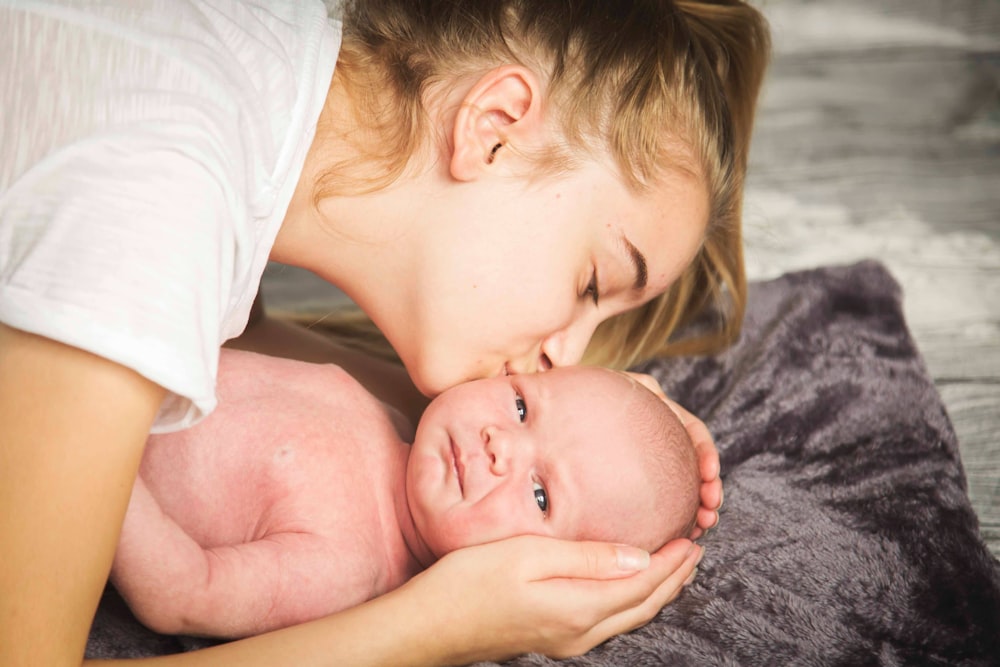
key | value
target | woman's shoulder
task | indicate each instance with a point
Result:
(224, 77)
(153, 144)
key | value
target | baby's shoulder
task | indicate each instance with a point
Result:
(261, 378)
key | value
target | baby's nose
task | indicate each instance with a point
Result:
(497, 448)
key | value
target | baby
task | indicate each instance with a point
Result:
(300, 495)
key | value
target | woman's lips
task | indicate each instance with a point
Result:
(458, 467)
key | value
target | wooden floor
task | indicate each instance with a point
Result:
(879, 136)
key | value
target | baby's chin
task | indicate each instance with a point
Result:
(439, 546)
(442, 543)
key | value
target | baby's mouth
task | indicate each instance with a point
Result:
(458, 467)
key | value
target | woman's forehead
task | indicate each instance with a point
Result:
(672, 226)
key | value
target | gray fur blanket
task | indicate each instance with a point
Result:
(846, 537)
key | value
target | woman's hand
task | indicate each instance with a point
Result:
(708, 458)
(539, 594)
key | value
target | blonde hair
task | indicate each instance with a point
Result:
(655, 84)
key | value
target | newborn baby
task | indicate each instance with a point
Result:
(300, 495)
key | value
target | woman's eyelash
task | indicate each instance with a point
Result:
(592, 288)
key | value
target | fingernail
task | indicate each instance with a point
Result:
(691, 577)
(700, 556)
(632, 559)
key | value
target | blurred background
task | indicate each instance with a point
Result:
(878, 136)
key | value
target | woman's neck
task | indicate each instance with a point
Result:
(358, 242)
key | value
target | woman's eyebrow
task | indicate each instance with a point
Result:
(638, 261)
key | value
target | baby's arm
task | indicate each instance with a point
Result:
(175, 586)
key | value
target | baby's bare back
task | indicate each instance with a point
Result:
(280, 496)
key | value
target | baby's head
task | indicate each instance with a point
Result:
(580, 453)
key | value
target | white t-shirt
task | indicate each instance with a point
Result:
(148, 153)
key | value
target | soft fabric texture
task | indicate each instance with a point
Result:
(150, 151)
(846, 537)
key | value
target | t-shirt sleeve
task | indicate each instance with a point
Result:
(125, 245)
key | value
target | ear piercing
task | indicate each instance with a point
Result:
(493, 154)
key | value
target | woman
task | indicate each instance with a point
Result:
(488, 181)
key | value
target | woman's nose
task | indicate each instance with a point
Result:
(566, 346)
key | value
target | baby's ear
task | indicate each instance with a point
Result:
(503, 108)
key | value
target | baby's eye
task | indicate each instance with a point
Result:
(522, 408)
(541, 497)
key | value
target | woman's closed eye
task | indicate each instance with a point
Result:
(592, 291)
(541, 497)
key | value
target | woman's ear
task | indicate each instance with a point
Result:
(503, 107)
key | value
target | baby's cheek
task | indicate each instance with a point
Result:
(456, 530)
(500, 520)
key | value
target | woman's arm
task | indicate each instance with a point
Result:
(387, 381)
(72, 429)
(487, 602)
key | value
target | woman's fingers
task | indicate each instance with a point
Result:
(664, 594)
(589, 560)
(539, 558)
(601, 599)
(629, 617)
(560, 598)
(708, 455)
(706, 519)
